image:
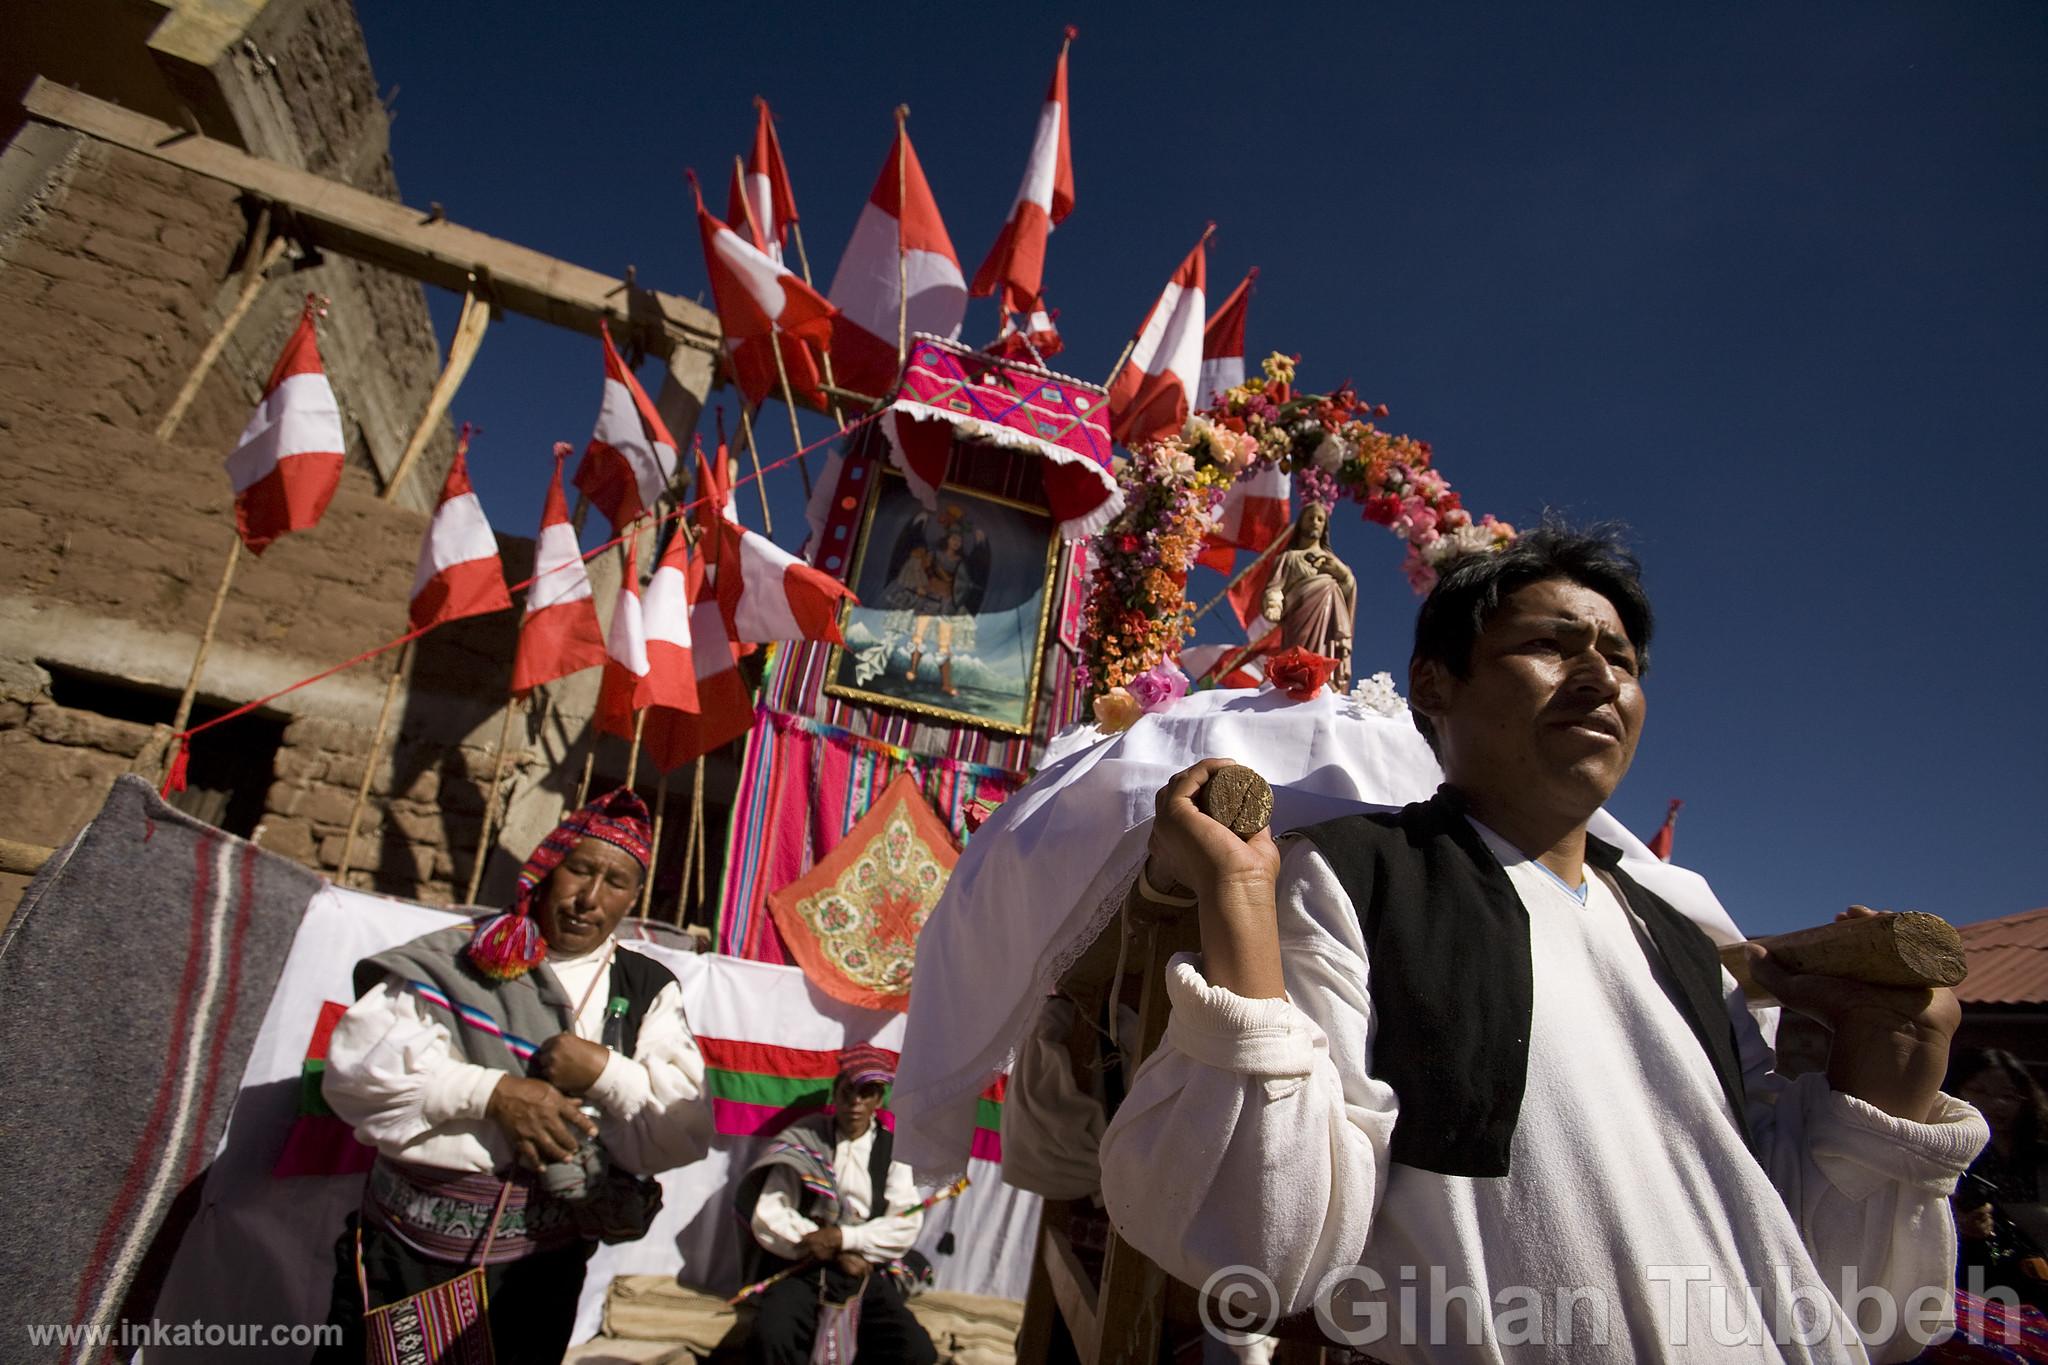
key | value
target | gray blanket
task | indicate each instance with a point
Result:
(132, 982)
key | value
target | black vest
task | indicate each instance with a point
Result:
(1447, 940)
(756, 1260)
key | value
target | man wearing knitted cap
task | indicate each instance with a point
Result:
(520, 1078)
(827, 1203)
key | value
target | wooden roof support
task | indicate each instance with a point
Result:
(351, 222)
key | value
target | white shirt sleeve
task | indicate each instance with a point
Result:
(392, 1074)
(1254, 1135)
(777, 1225)
(656, 1111)
(1867, 1191)
(888, 1235)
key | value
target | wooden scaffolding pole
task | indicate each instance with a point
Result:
(256, 264)
(462, 349)
(483, 843)
(355, 812)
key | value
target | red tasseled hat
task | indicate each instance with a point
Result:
(510, 945)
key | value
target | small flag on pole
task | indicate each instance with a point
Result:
(1155, 391)
(459, 571)
(559, 634)
(1016, 263)
(1660, 842)
(631, 456)
(288, 463)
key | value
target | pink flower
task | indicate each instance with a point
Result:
(1457, 519)
(1117, 710)
(1421, 577)
(1420, 516)
(1159, 687)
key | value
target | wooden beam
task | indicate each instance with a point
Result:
(426, 247)
(1072, 1291)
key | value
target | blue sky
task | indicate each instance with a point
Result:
(1768, 282)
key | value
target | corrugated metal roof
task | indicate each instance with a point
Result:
(2008, 960)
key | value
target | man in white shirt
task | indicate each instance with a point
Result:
(827, 1201)
(522, 1061)
(1451, 1078)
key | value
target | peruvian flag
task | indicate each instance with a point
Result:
(1016, 263)
(625, 656)
(1155, 391)
(1223, 343)
(288, 463)
(1037, 340)
(1241, 665)
(764, 593)
(631, 456)
(559, 634)
(724, 711)
(459, 573)
(671, 677)
(899, 240)
(1660, 842)
(761, 206)
(1255, 511)
(762, 305)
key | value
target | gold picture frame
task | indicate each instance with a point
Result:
(985, 566)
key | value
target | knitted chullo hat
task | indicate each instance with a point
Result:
(510, 945)
(864, 1063)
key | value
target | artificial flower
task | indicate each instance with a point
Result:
(1116, 711)
(1299, 673)
(1159, 687)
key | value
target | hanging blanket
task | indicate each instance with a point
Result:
(136, 973)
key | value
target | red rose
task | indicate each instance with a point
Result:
(1383, 510)
(1299, 673)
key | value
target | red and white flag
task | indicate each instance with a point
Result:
(1255, 511)
(1016, 263)
(1223, 343)
(671, 677)
(1037, 340)
(1660, 842)
(631, 456)
(899, 241)
(459, 571)
(559, 634)
(288, 463)
(625, 656)
(1155, 391)
(1239, 665)
(763, 592)
(761, 206)
(724, 711)
(762, 305)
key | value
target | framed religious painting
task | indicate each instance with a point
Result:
(954, 603)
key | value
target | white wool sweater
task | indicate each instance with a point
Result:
(1634, 1217)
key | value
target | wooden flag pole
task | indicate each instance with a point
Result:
(1280, 542)
(583, 787)
(220, 597)
(355, 812)
(633, 750)
(483, 843)
(653, 845)
(775, 345)
(255, 273)
(760, 484)
(462, 349)
(902, 256)
(697, 828)
(831, 385)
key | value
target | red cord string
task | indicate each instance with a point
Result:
(184, 736)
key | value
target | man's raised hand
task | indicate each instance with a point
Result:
(1232, 880)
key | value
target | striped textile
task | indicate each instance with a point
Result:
(448, 1324)
(136, 973)
(320, 1141)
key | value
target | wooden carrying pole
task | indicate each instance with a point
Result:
(370, 760)
(256, 264)
(462, 349)
(513, 706)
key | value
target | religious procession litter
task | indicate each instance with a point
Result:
(1069, 992)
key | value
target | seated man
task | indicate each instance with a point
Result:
(1454, 1063)
(827, 1198)
(433, 1066)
